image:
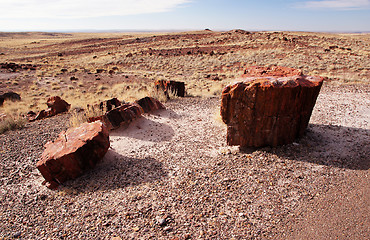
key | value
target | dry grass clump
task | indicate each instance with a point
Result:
(209, 89)
(79, 117)
(11, 123)
(14, 114)
(19, 108)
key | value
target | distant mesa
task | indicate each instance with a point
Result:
(240, 31)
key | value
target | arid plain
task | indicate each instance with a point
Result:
(170, 175)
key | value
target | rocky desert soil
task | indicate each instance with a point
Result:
(170, 174)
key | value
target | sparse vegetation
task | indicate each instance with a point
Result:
(123, 67)
(11, 123)
(79, 117)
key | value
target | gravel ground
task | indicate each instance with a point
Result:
(170, 175)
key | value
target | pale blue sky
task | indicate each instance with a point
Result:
(294, 15)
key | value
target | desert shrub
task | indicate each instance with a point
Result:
(158, 94)
(11, 123)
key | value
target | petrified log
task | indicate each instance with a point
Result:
(102, 118)
(55, 104)
(73, 152)
(177, 88)
(108, 104)
(126, 113)
(150, 104)
(272, 111)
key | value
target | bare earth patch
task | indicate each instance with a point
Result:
(170, 175)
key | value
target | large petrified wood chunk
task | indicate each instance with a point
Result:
(272, 110)
(73, 152)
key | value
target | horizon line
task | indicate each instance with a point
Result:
(169, 30)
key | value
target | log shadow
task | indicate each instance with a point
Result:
(330, 145)
(146, 130)
(166, 113)
(116, 171)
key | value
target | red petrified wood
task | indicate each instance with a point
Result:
(177, 88)
(126, 113)
(149, 104)
(269, 110)
(55, 104)
(73, 152)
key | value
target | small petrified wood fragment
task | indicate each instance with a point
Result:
(55, 105)
(261, 111)
(73, 152)
(177, 88)
(106, 105)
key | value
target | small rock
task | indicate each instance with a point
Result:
(167, 229)
(17, 234)
(161, 221)
(9, 96)
(116, 238)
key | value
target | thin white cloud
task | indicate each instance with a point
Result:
(336, 4)
(83, 8)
